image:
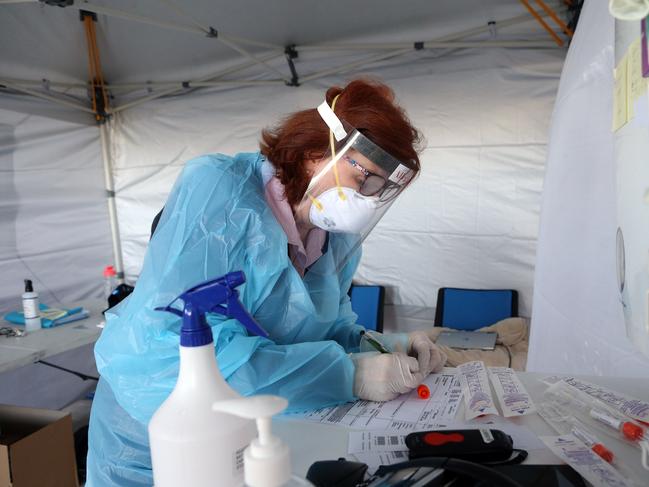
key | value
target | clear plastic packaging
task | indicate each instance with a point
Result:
(604, 430)
(595, 413)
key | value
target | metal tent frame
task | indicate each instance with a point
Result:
(385, 51)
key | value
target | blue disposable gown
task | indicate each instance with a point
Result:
(216, 220)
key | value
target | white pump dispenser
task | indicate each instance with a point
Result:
(267, 461)
(190, 443)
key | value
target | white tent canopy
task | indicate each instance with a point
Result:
(481, 93)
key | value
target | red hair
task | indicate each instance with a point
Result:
(368, 105)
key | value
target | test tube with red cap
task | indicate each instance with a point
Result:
(593, 443)
(630, 430)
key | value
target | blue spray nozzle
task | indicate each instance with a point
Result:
(215, 296)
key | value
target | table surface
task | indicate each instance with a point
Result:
(310, 442)
(19, 351)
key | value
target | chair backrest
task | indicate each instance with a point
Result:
(367, 303)
(470, 309)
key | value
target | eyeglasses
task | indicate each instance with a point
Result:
(373, 185)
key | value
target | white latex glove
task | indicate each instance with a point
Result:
(416, 344)
(383, 376)
(431, 359)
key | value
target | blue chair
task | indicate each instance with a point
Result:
(367, 303)
(470, 309)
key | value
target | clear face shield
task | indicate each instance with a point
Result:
(353, 185)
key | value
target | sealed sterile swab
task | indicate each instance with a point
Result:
(564, 423)
(592, 408)
(631, 406)
(513, 398)
(589, 465)
(476, 390)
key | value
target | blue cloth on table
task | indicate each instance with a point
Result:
(65, 316)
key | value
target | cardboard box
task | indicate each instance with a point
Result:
(36, 448)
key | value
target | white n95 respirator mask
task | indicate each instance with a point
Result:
(348, 214)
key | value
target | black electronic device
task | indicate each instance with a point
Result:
(336, 473)
(475, 445)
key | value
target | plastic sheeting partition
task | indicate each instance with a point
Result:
(470, 220)
(577, 323)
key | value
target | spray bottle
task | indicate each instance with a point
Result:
(190, 443)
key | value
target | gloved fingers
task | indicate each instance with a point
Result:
(433, 333)
(423, 348)
(423, 353)
(411, 375)
(438, 360)
(382, 395)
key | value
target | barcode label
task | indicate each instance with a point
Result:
(394, 440)
(380, 440)
(238, 462)
(399, 454)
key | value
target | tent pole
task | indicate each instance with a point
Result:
(193, 84)
(449, 37)
(111, 12)
(542, 22)
(100, 105)
(346, 67)
(46, 82)
(246, 54)
(214, 34)
(45, 97)
(439, 41)
(232, 69)
(433, 45)
(110, 199)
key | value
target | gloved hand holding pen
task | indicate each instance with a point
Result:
(416, 344)
(384, 376)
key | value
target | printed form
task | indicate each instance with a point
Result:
(407, 412)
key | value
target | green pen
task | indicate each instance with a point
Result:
(375, 343)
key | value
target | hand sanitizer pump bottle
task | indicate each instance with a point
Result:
(267, 461)
(190, 443)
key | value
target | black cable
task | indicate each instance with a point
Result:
(521, 456)
(455, 465)
(82, 376)
(509, 353)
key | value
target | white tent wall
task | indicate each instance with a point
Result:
(53, 212)
(577, 324)
(53, 230)
(469, 220)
